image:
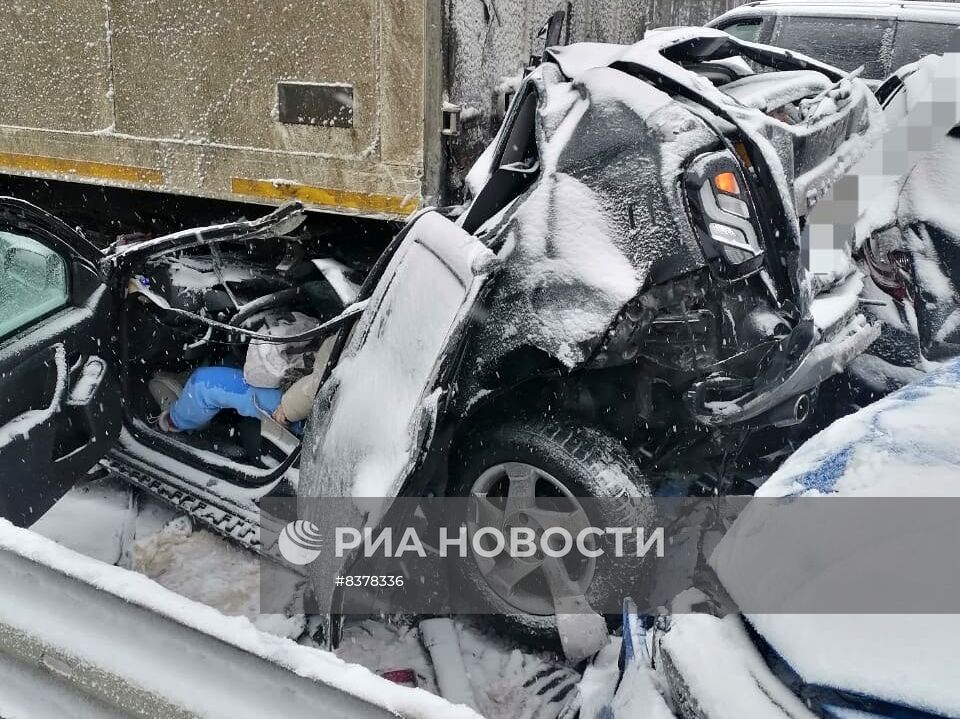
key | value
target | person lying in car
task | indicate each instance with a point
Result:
(277, 379)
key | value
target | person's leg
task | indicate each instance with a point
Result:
(211, 389)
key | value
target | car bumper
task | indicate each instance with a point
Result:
(714, 671)
(824, 360)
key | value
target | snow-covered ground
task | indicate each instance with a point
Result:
(875, 452)
(110, 521)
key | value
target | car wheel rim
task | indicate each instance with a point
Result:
(514, 495)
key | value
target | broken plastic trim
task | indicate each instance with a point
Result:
(666, 323)
(280, 222)
(796, 378)
(895, 275)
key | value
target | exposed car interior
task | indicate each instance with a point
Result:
(241, 284)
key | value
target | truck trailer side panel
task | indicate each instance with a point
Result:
(337, 104)
(323, 102)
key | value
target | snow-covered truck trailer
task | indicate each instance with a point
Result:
(361, 107)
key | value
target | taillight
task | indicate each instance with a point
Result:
(726, 182)
(891, 271)
(723, 214)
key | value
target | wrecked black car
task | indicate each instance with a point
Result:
(621, 302)
(648, 311)
(648, 202)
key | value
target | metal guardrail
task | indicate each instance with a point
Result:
(65, 641)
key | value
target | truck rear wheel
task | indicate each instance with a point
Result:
(516, 474)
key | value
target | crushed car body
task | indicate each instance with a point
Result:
(623, 297)
(647, 201)
(907, 240)
(649, 287)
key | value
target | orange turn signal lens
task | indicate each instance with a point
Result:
(727, 182)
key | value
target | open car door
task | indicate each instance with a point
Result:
(377, 411)
(59, 395)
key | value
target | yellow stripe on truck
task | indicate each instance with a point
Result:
(326, 197)
(80, 168)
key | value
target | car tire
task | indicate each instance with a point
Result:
(588, 463)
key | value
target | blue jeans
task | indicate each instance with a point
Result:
(211, 389)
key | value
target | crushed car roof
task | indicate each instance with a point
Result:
(818, 155)
(681, 43)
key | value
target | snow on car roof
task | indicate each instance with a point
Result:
(772, 90)
(579, 58)
(917, 11)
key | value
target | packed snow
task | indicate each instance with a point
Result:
(551, 257)
(109, 521)
(877, 451)
(767, 92)
(830, 308)
(112, 523)
(167, 548)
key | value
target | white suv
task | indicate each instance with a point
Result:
(879, 34)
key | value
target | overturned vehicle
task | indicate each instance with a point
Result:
(621, 303)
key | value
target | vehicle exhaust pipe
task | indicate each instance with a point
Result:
(791, 412)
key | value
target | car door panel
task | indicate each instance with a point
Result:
(59, 397)
(415, 322)
(28, 428)
(91, 409)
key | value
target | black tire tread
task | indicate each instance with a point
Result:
(592, 451)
